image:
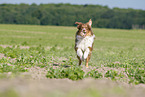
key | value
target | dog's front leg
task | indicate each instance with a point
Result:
(80, 55)
(86, 53)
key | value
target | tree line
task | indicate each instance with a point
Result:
(67, 15)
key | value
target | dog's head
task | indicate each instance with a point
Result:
(84, 29)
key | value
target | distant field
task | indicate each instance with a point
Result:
(48, 52)
(64, 36)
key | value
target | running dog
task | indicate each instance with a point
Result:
(84, 41)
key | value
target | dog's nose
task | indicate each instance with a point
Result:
(84, 30)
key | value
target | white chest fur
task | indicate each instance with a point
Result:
(83, 43)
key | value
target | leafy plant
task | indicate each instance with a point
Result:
(73, 73)
(112, 74)
(94, 74)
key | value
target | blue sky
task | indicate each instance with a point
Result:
(135, 4)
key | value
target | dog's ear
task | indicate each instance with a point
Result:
(79, 24)
(90, 23)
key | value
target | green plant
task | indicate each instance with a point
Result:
(94, 74)
(73, 73)
(112, 74)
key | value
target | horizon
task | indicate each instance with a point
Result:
(73, 4)
(123, 4)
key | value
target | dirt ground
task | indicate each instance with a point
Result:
(25, 85)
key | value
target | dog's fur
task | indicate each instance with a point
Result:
(84, 41)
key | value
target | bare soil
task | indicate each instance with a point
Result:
(22, 47)
(25, 87)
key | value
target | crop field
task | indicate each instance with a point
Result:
(42, 59)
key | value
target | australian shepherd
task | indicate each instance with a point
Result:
(84, 41)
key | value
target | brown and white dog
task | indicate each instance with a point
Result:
(84, 41)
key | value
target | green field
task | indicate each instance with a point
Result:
(48, 52)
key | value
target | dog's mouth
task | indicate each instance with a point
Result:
(83, 34)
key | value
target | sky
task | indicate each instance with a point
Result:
(135, 4)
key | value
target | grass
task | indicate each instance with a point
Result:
(118, 54)
(64, 36)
